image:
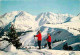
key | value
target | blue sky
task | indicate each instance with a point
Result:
(36, 7)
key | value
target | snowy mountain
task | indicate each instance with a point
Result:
(62, 27)
(49, 17)
(24, 21)
(21, 19)
(77, 18)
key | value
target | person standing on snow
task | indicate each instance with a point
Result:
(49, 41)
(39, 36)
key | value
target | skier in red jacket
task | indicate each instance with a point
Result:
(39, 36)
(49, 40)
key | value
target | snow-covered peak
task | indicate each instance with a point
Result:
(22, 13)
(21, 19)
(14, 13)
(49, 17)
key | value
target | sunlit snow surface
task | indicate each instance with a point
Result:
(40, 52)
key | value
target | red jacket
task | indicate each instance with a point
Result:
(49, 39)
(39, 37)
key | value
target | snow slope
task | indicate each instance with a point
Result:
(52, 18)
(72, 27)
(40, 52)
(76, 46)
(22, 20)
(28, 39)
(77, 18)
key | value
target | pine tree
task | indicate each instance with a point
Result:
(13, 37)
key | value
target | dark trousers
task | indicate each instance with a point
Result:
(39, 44)
(49, 45)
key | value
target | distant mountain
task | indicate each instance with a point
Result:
(21, 19)
(24, 21)
(52, 18)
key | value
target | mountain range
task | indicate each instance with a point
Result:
(63, 27)
(24, 21)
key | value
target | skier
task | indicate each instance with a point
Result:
(49, 41)
(39, 36)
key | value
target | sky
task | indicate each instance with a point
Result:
(36, 7)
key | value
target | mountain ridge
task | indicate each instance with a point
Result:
(18, 18)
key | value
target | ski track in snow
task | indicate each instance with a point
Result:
(42, 52)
